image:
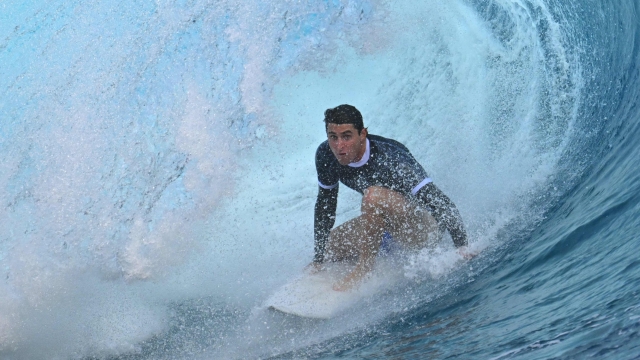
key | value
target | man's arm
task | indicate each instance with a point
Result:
(325, 217)
(444, 211)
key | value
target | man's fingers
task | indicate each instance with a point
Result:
(466, 254)
(314, 268)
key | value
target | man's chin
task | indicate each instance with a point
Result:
(343, 160)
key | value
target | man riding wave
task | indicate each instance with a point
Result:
(399, 201)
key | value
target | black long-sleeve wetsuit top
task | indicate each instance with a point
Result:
(386, 163)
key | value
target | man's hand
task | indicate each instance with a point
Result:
(314, 268)
(466, 253)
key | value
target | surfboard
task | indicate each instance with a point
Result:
(312, 295)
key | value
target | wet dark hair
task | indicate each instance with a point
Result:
(344, 114)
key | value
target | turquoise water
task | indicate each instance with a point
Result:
(158, 180)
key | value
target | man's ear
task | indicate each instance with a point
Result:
(365, 132)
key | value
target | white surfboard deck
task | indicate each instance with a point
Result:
(312, 295)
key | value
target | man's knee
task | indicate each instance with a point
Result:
(378, 199)
(373, 196)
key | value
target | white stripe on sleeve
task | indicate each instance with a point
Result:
(419, 186)
(327, 187)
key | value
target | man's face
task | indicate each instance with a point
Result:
(346, 144)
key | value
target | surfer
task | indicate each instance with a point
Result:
(400, 203)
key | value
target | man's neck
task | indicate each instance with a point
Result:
(364, 157)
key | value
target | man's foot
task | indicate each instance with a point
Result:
(351, 280)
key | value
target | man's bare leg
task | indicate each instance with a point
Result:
(375, 206)
(343, 239)
(382, 209)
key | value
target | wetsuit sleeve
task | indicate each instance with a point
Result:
(327, 176)
(325, 217)
(444, 211)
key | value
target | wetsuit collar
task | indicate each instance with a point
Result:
(365, 157)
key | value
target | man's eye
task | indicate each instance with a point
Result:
(346, 137)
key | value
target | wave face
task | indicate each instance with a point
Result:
(158, 180)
